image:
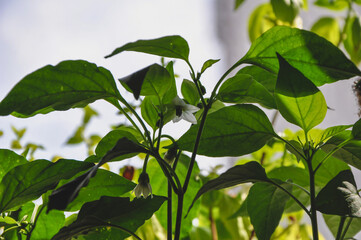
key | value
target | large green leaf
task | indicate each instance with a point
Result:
(352, 40)
(333, 221)
(333, 5)
(264, 77)
(249, 172)
(169, 46)
(317, 59)
(243, 88)
(96, 218)
(153, 80)
(104, 183)
(230, 131)
(349, 153)
(9, 160)
(340, 196)
(265, 206)
(299, 101)
(29, 181)
(158, 182)
(69, 84)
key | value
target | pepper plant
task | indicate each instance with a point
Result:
(282, 70)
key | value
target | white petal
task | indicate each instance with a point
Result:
(137, 191)
(145, 191)
(178, 102)
(177, 119)
(150, 189)
(188, 116)
(190, 108)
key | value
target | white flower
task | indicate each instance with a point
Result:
(184, 111)
(143, 186)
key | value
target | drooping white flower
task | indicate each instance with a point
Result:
(184, 111)
(143, 187)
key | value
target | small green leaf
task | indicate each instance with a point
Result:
(350, 153)
(190, 92)
(261, 20)
(97, 217)
(149, 111)
(237, 4)
(266, 78)
(352, 40)
(6, 221)
(210, 62)
(265, 206)
(332, 131)
(328, 28)
(340, 196)
(317, 59)
(230, 131)
(70, 84)
(88, 114)
(169, 46)
(9, 160)
(249, 172)
(78, 136)
(29, 181)
(284, 10)
(333, 221)
(172, 91)
(242, 88)
(153, 80)
(299, 101)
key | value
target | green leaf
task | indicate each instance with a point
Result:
(237, 4)
(9, 160)
(153, 80)
(352, 40)
(266, 78)
(129, 141)
(356, 130)
(29, 181)
(261, 20)
(299, 101)
(340, 196)
(190, 92)
(210, 62)
(333, 221)
(96, 218)
(242, 88)
(6, 221)
(350, 153)
(249, 172)
(336, 5)
(284, 10)
(149, 111)
(169, 46)
(78, 136)
(172, 91)
(265, 206)
(328, 28)
(104, 183)
(230, 131)
(332, 131)
(317, 59)
(159, 186)
(70, 84)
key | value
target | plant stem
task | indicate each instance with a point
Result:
(340, 227)
(213, 225)
(169, 212)
(313, 200)
(346, 228)
(179, 216)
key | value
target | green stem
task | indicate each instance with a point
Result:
(179, 217)
(196, 82)
(289, 144)
(346, 228)
(313, 200)
(169, 212)
(340, 227)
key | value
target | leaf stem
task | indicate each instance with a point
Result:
(346, 228)
(179, 217)
(340, 227)
(313, 200)
(169, 212)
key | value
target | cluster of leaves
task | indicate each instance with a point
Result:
(286, 66)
